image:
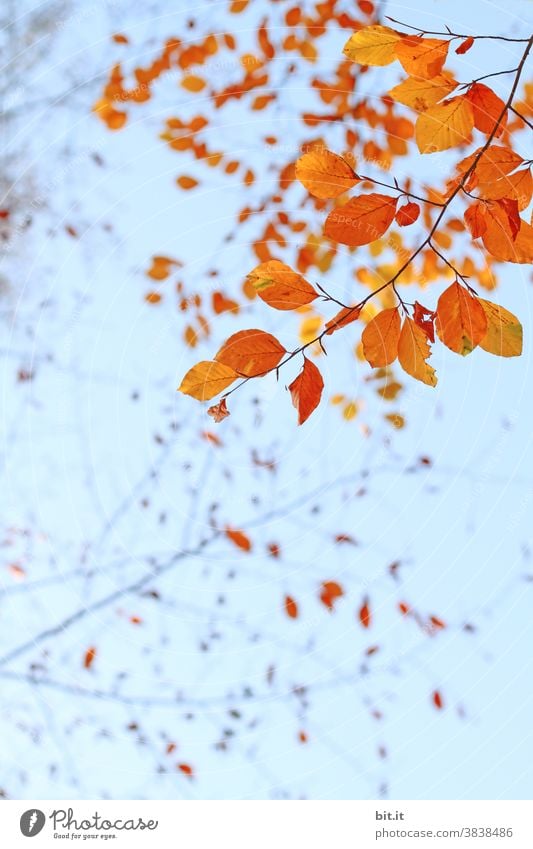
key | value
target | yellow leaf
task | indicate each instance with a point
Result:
(325, 174)
(504, 331)
(374, 45)
(445, 125)
(413, 351)
(309, 329)
(420, 94)
(206, 379)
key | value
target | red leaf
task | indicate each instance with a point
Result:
(186, 769)
(424, 319)
(465, 45)
(306, 390)
(437, 700)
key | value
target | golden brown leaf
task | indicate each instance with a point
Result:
(420, 94)
(504, 331)
(413, 351)
(206, 379)
(325, 174)
(445, 125)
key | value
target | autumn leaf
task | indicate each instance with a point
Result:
(424, 319)
(330, 591)
(219, 411)
(475, 220)
(362, 220)
(413, 351)
(186, 769)
(325, 174)
(487, 107)
(437, 700)
(407, 214)
(504, 331)
(251, 352)
(291, 608)
(306, 390)
(186, 183)
(420, 94)
(461, 322)
(281, 287)
(89, 657)
(206, 379)
(373, 45)
(380, 338)
(239, 539)
(365, 615)
(445, 125)
(502, 240)
(465, 45)
(344, 317)
(422, 57)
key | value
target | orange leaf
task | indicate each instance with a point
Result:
(325, 174)
(407, 214)
(186, 183)
(193, 83)
(330, 591)
(365, 616)
(344, 317)
(161, 267)
(445, 125)
(465, 45)
(503, 240)
(487, 107)
(291, 608)
(413, 351)
(89, 657)
(239, 539)
(362, 220)
(306, 390)
(206, 379)
(380, 338)
(460, 320)
(119, 38)
(281, 287)
(251, 352)
(422, 57)
(475, 220)
(219, 411)
(186, 769)
(223, 304)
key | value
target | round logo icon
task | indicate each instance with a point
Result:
(32, 822)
